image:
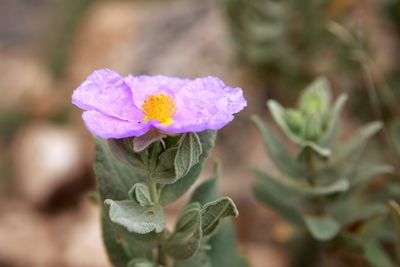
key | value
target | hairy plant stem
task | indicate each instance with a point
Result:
(162, 259)
(153, 189)
(152, 165)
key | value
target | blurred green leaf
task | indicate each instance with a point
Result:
(223, 251)
(279, 114)
(279, 155)
(394, 132)
(309, 148)
(278, 197)
(395, 211)
(322, 228)
(348, 154)
(207, 190)
(369, 171)
(371, 227)
(316, 97)
(312, 129)
(333, 122)
(376, 256)
(343, 209)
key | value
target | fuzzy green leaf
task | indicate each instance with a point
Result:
(122, 150)
(223, 250)
(115, 178)
(200, 259)
(213, 212)
(322, 228)
(114, 247)
(185, 241)
(188, 154)
(173, 191)
(141, 194)
(135, 218)
(140, 262)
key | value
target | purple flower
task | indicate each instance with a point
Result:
(118, 107)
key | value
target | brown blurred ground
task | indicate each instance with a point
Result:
(46, 217)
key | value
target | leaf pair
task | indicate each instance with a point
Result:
(197, 223)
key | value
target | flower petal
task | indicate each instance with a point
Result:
(105, 91)
(143, 86)
(109, 127)
(205, 103)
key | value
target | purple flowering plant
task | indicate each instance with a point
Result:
(119, 107)
(153, 134)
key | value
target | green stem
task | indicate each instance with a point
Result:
(314, 182)
(162, 259)
(153, 189)
(152, 165)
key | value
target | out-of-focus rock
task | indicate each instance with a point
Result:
(46, 156)
(105, 39)
(23, 80)
(26, 238)
(82, 241)
(264, 255)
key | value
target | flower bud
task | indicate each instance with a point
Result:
(295, 120)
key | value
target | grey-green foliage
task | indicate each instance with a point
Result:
(395, 135)
(281, 35)
(261, 28)
(135, 185)
(321, 187)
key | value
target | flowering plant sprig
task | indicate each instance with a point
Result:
(320, 188)
(158, 131)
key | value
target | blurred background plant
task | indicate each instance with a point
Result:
(324, 188)
(288, 42)
(47, 47)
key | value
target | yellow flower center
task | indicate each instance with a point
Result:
(159, 107)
